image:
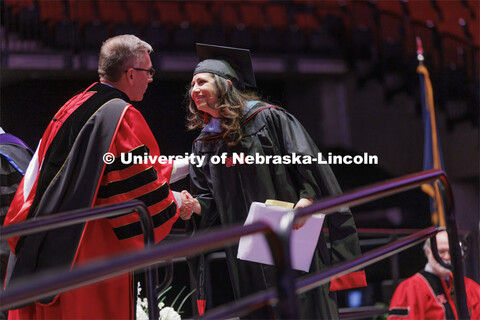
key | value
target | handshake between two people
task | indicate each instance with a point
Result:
(191, 205)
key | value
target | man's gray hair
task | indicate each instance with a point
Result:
(427, 245)
(120, 53)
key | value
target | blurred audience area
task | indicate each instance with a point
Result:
(375, 39)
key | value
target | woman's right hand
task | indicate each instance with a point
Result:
(185, 210)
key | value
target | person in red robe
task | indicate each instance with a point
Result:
(69, 171)
(429, 293)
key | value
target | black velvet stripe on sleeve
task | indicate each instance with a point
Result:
(398, 312)
(155, 196)
(118, 165)
(134, 229)
(164, 215)
(152, 197)
(126, 185)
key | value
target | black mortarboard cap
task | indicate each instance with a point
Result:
(234, 64)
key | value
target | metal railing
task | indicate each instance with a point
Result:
(387, 188)
(73, 217)
(46, 284)
(243, 306)
(286, 287)
(353, 198)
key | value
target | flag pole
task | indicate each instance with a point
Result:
(431, 139)
(433, 160)
(420, 57)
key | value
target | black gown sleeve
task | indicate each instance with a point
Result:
(199, 189)
(317, 181)
(209, 217)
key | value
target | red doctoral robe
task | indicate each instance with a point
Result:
(68, 173)
(426, 296)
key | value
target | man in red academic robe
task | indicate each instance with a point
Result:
(68, 172)
(429, 293)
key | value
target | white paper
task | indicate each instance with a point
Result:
(302, 243)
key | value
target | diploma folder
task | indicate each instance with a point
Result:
(302, 242)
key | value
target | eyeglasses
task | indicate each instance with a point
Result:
(151, 71)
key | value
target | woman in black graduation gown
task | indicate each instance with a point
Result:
(234, 120)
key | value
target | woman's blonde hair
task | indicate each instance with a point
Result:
(231, 104)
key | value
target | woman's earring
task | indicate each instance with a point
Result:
(205, 117)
